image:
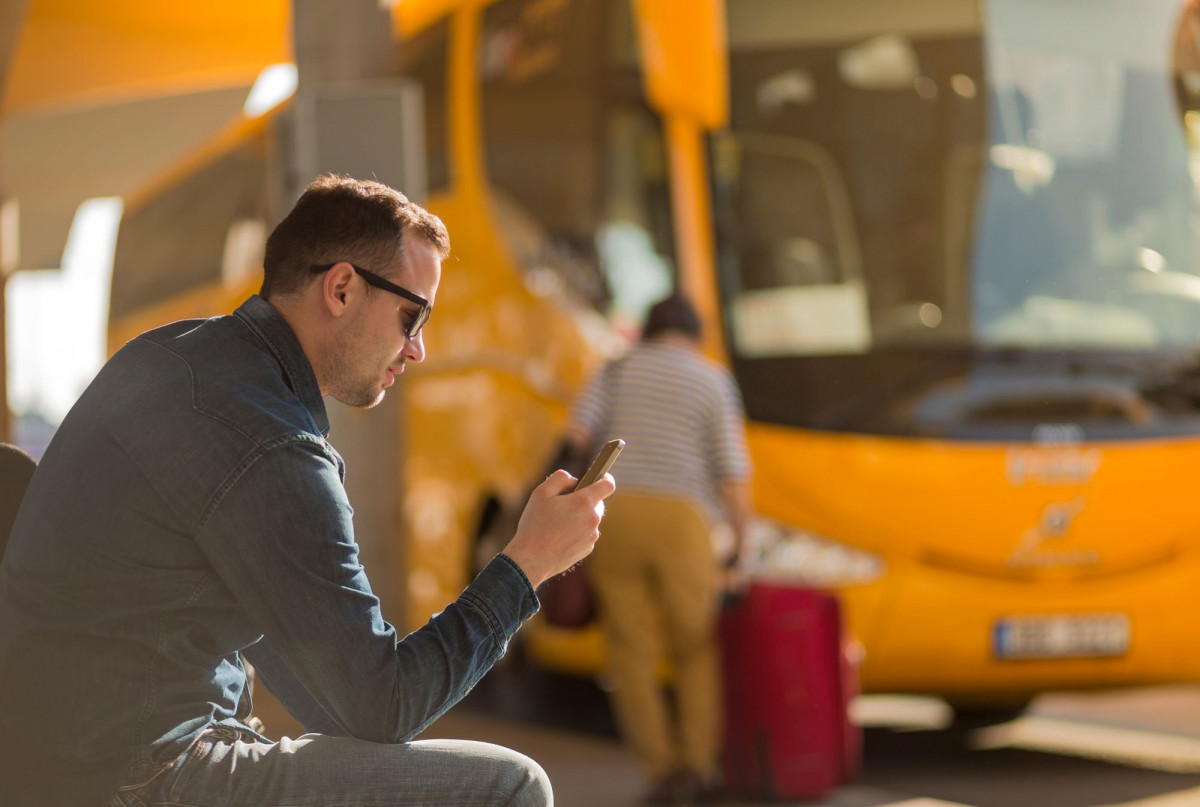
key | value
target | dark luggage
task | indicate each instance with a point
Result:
(789, 679)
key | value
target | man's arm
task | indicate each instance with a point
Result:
(281, 539)
(273, 671)
(731, 459)
(735, 495)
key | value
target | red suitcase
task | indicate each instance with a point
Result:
(789, 679)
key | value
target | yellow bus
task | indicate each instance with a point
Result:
(948, 247)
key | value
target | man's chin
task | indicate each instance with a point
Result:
(365, 401)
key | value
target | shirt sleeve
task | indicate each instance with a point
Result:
(727, 432)
(279, 536)
(273, 671)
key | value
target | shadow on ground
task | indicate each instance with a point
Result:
(898, 765)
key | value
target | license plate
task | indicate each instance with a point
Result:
(1047, 637)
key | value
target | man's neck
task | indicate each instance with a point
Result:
(676, 338)
(291, 309)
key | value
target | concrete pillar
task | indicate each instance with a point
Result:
(349, 116)
(341, 42)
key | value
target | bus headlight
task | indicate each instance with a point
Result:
(776, 551)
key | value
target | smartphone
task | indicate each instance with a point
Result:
(604, 460)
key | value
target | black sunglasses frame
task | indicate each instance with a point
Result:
(413, 328)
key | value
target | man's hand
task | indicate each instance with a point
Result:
(557, 531)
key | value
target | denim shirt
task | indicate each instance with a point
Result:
(188, 514)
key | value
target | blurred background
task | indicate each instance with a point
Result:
(949, 248)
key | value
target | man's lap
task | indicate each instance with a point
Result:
(318, 770)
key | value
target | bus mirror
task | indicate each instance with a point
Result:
(683, 58)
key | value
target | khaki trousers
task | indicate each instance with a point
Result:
(654, 575)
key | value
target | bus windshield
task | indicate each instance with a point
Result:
(955, 178)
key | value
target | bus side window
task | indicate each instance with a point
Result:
(206, 228)
(574, 155)
(540, 71)
(793, 233)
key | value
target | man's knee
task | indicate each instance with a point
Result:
(526, 783)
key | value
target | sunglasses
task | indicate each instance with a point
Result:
(414, 326)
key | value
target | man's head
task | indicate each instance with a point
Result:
(342, 219)
(673, 315)
(354, 268)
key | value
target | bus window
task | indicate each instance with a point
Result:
(1087, 235)
(423, 59)
(634, 233)
(849, 126)
(976, 187)
(208, 228)
(576, 159)
(800, 256)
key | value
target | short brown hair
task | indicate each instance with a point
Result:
(339, 218)
(675, 313)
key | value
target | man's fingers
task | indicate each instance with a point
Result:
(601, 489)
(561, 482)
(557, 483)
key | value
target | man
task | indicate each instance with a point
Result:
(190, 513)
(681, 417)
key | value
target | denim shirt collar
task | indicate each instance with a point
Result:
(262, 318)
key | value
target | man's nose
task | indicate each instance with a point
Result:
(414, 348)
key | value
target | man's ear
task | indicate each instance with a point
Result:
(335, 288)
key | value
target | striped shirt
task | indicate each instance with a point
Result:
(681, 417)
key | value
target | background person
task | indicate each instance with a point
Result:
(685, 465)
(190, 512)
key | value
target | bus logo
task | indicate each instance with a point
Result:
(1056, 521)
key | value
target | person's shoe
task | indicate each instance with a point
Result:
(685, 786)
(692, 788)
(662, 791)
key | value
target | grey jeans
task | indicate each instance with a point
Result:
(222, 769)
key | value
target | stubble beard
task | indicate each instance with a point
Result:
(358, 391)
